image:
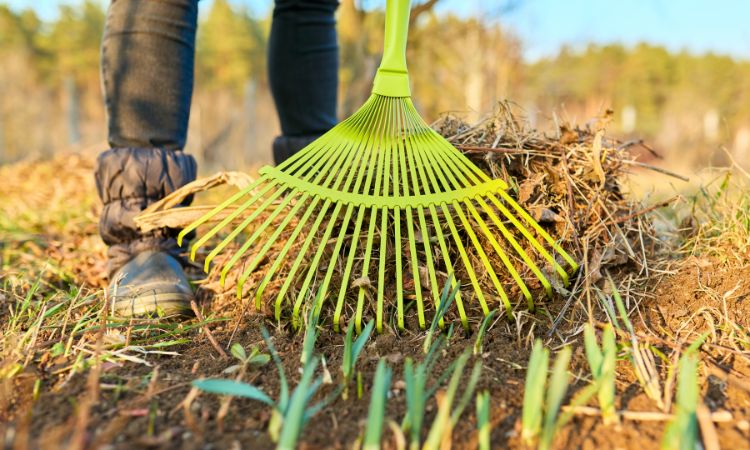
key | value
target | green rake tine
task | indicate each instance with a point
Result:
(425, 183)
(301, 255)
(384, 232)
(350, 209)
(350, 177)
(319, 174)
(315, 261)
(329, 229)
(339, 154)
(355, 237)
(485, 259)
(441, 243)
(379, 180)
(532, 240)
(245, 223)
(395, 138)
(269, 242)
(296, 162)
(251, 240)
(203, 219)
(403, 149)
(350, 153)
(365, 268)
(456, 239)
(348, 269)
(461, 159)
(573, 264)
(472, 236)
(280, 258)
(483, 176)
(493, 241)
(423, 226)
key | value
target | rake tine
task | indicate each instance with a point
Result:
(329, 229)
(238, 229)
(269, 243)
(409, 145)
(365, 267)
(348, 269)
(372, 157)
(447, 175)
(216, 210)
(472, 171)
(326, 166)
(367, 147)
(425, 183)
(351, 154)
(403, 148)
(493, 241)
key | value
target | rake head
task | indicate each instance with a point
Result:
(382, 198)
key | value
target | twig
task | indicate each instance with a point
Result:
(206, 330)
(645, 416)
(642, 143)
(472, 148)
(655, 169)
(640, 212)
(708, 430)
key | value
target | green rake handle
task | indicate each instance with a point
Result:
(392, 79)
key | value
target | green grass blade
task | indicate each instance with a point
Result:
(682, 432)
(311, 334)
(445, 301)
(533, 395)
(294, 414)
(378, 400)
(558, 387)
(234, 388)
(593, 352)
(283, 384)
(482, 330)
(483, 420)
(607, 376)
(442, 422)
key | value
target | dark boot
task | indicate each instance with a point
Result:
(284, 147)
(152, 283)
(144, 267)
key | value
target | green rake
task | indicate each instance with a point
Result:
(379, 176)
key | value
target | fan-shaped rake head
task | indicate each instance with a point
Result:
(387, 203)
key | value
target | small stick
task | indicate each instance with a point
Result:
(206, 330)
(646, 416)
(472, 148)
(641, 212)
(708, 430)
(643, 144)
(655, 169)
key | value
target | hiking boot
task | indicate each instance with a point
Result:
(151, 284)
(284, 147)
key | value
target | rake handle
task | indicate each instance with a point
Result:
(392, 79)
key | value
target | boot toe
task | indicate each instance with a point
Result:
(152, 283)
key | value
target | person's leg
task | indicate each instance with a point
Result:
(147, 76)
(303, 62)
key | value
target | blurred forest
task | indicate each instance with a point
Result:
(688, 106)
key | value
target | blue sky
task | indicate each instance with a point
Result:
(544, 26)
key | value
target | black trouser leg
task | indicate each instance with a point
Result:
(148, 51)
(303, 59)
(147, 76)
